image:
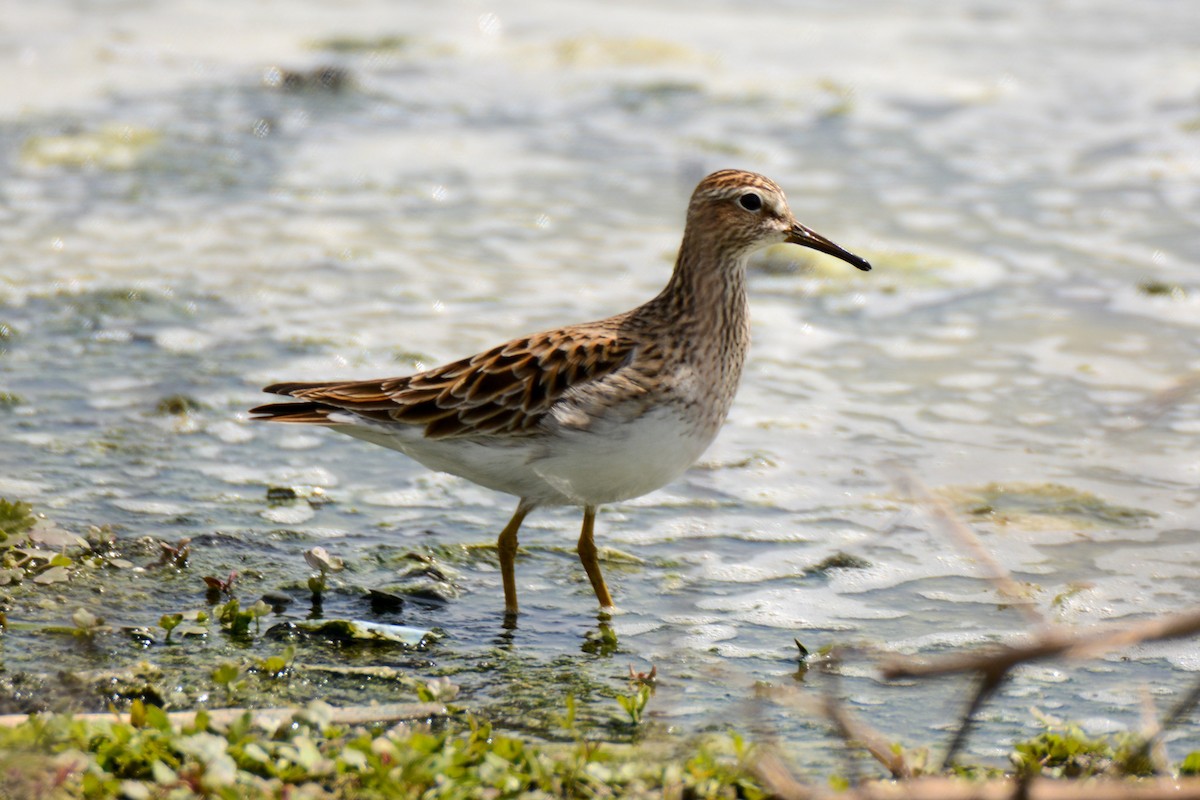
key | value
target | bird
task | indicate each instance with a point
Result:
(589, 414)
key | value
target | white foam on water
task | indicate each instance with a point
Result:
(154, 507)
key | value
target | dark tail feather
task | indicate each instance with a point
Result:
(311, 413)
(296, 386)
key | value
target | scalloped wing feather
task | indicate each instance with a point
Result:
(507, 390)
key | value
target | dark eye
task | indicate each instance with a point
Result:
(750, 201)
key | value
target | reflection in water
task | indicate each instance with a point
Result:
(602, 641)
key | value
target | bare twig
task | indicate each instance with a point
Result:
(831, 705)
(779, 781)
(1052, 643)
(988, 684)
(775, 775)
(1009, 789)
(854, 731)
(1173, 395)
(1182, 709)
(908, 483)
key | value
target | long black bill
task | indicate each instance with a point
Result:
(809, 238)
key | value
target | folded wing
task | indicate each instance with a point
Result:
(505, 391)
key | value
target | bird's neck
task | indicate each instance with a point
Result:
(704, 304)
(708, 286)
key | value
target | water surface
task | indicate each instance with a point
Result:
(193, 204)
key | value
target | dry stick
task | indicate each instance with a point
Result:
(1151, 748)
(909, 484)
(1176, 715)
(994, 664)
(776, 776)
(1009, 789)
(1053, 643)
(1183, 708)
(829, 704)
(853, 730)
(1163, 401)
(988, 684)
(945, 517)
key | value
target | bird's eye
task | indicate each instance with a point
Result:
(750, 201)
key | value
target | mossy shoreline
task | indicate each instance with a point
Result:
(308, 754)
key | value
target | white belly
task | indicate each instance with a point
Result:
(616, 461)
(604, 463)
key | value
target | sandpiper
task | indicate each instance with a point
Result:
(592, 413)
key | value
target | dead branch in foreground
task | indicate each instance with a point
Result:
(1051, 643)
(782, 784)
(994, 665)
(953, 526)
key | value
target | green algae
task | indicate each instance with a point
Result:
(595, 51)
(1040, 506)
(838, 560)
(1154, 288)
(363, 44)
(112, 146)
(177, 405)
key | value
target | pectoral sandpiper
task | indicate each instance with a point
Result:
(592, 413)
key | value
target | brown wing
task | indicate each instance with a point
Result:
(506, 390)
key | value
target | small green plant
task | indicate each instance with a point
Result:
(1065, 751)
(169, 622)
(1191, 764)
(275, 667)
(259, 610)
(319, 559)
(15, 518)
(232, 618)
(438, 690)
(634, 704)
(226, 676)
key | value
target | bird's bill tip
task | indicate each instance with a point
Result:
(806, 237)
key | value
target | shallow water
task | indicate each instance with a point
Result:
(175, 220)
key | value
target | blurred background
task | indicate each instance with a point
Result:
(199, 198)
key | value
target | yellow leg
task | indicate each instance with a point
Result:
(506, 545)
(587, 555)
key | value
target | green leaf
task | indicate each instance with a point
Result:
(225, 674)
(15, 517)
